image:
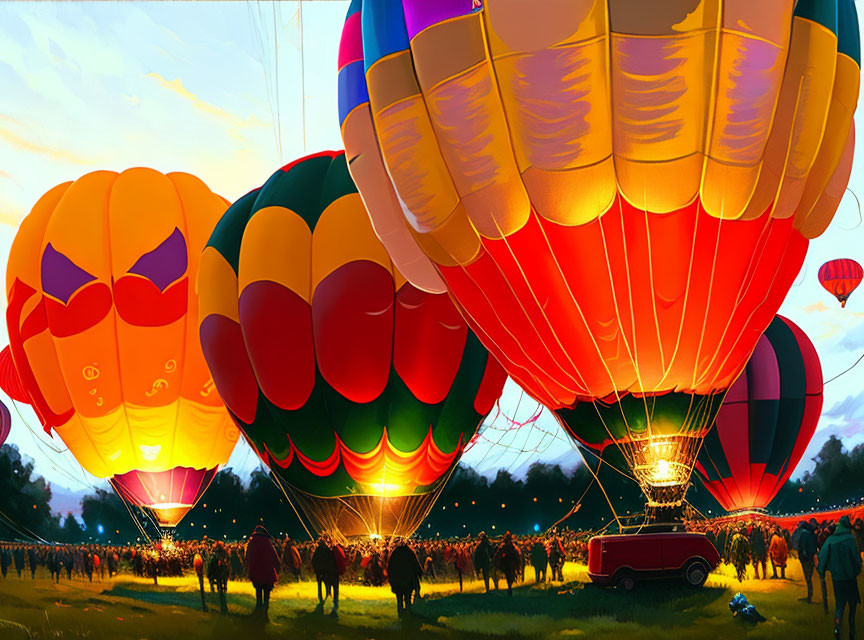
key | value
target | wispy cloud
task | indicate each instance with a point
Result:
(816, 308)
(227, 118)
(30, 146)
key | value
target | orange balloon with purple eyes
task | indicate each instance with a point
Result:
(102, 320)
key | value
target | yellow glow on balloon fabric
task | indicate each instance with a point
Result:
(103, 324)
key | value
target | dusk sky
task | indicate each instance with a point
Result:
(209, 89)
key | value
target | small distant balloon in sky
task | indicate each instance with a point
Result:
(840, 278)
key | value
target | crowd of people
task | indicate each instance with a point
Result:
(264, 560)
(820, 547)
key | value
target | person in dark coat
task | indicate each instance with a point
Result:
(507, 560)
(739, 553)
(539, 560)
(67, 563)
(218, 572)
(556, 559)
(759, 551)
(291, 558)
(807, 547)
(263, 566)
(403, 573)
(326, 572)
(113, 562)
(54, 564)
(5, 560)
(483, 558)
(33, 560)
(840, 556)
(18, 556)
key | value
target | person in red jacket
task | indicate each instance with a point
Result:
(263, 563)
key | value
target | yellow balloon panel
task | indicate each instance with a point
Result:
(102, 318)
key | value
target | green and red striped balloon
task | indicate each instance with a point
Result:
(765, 422)
(358, 390)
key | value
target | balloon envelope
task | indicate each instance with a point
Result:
(102, 321)
(840, 278)
(618, 195)
(766, 421)
(358, 390)
(5, 422)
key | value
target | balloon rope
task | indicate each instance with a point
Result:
(843, 373)
(21, 529)
(575, 507)
(275, 481)
(860, 217)
(605, 495)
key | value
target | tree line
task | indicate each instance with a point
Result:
(469, 503)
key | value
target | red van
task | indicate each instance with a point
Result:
(623, 560)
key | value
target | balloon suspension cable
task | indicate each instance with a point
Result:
(690, 506)
(843, 373)
(21, 529)
(599, 484)
(41, 445)
(512, 427)
(575, 508)
(275, 481)
(803, 277)
(132, 514)
(860, 217)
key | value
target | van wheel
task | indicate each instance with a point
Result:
(695, 572)
(625, 581)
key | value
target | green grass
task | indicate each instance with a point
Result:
(127, 608)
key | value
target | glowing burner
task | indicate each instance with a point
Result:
(659, 467)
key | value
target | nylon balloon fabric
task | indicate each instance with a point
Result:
(766, 421)
(840, 278)
(5, 422)
(357, 389)
(617, 194)
(102, 321)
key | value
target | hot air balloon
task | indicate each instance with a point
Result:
(5, 423)
(618, 194)
(358, 390)
(840, 278)
(766, 421)
(102, 321)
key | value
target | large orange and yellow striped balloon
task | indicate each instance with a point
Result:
(617, 193)
(103, 330)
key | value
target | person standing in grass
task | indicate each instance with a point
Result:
(403, 572)
(739, 553)
(18, 555)
(840, 556)
(5, 560)
(779, 552)
(759, 550)
(539, 560)
(483, 557)
(807, 547)
(291, 558)
(556, 559)
(326, 572)
(507, 559)
(218, 572)
(263, 563)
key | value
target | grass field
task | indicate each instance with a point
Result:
(135, 609)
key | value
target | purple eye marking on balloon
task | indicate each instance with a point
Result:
(60, 276)
(166, 263)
